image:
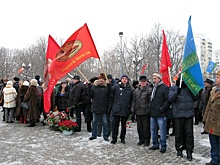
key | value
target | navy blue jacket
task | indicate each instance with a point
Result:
(122, 100)
(183, 103)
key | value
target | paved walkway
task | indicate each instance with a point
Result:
(21, 145)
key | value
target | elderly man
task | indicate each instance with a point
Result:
(159, 106)
(141, 100)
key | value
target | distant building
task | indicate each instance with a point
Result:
(204, 52)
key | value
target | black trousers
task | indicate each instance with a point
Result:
(184, 138)
(143, 128)
(89, 117)
(197, 111)
(116, 122)
(78, 117)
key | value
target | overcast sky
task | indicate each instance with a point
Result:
(24, 21)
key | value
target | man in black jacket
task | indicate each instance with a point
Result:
(100, 93)
(76, 100)
(159, 106)
(122, 101)
(182, 101)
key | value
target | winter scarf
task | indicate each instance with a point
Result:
(154, 89)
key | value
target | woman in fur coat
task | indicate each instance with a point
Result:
(31, 96)
(20, 112)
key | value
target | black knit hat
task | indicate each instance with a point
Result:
(109, 76)
(16, 79)
(125, 77)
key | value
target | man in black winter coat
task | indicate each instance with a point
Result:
(100, 93)
(183, 112)
(159, 107)
(76, 100)
(122, 101)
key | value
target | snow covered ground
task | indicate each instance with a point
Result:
(21, 145)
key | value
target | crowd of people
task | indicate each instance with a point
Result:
(108, 103)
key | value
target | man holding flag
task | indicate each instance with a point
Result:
(182, 96)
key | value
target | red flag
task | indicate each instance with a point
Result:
(78, 48)
(143, 68)
(165, 62)
(49, 81)
(20, 70)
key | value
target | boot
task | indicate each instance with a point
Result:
(32, 123)
(189, 155)
(25, 120)
(114, 140)
(180, 153)
(21, 120)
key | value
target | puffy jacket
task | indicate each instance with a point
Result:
(183, 103)
(122, 100)
(141, 100)
(101, 97)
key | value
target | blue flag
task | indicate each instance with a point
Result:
(191, 71)
(210, 67)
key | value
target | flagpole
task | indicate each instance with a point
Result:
(169, 76)
(82, 74)
(181, 79)
(103, 71)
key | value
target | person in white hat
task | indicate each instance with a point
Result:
(10, 95)
(159, 107)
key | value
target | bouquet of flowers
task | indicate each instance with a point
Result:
(67, 125)
(53, 119)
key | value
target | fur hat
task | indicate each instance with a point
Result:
(102, 76)
(93, 79)
(157, 74)
(143, 78)
(16, 79)
(218, 73)
(9, 83)
(26, 83)
(34, 82)
(125, 77)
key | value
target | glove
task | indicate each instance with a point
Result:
(178, 91)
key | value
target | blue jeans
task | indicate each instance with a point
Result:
(215, 148)
(95, 122)
(160, 122)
